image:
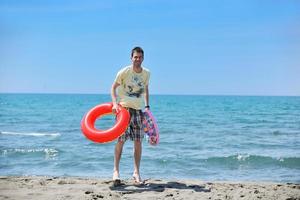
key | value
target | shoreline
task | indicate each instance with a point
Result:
(52, 187)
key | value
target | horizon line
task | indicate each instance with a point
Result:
(167, 94)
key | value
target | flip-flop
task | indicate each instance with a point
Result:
(116, 182)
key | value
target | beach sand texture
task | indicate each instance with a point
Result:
(41, 187)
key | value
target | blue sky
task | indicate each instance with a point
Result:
(215, 47)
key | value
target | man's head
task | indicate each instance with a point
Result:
(137, 50)
(137, 56)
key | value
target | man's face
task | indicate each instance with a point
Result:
(137, 58)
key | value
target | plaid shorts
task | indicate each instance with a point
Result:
(135, 129)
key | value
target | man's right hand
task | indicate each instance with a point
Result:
(115, 108)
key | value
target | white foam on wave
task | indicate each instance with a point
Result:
(35, 134)
(49, 152)
(242, 157)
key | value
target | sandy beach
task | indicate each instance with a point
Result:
(40, 187)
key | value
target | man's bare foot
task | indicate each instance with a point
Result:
(137, 178)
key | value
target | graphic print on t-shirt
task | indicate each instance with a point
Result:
(135, 86)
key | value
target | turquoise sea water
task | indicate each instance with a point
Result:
(202, 137)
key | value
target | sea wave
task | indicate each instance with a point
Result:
(255, 161)
(35, 134)
(48, 152)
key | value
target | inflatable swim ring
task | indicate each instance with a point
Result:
(102, 136)
(150, 127)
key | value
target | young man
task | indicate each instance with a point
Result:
(132, 83)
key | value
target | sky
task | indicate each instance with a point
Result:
(215, 47)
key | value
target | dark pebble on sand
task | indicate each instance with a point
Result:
(96, 196)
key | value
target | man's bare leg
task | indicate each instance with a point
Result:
(137, 160)
(118, 154)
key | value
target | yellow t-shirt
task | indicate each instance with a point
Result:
(132, 87)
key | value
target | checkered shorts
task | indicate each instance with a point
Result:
(135, 129)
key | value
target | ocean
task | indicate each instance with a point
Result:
(210, 138)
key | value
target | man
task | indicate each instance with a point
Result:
(133, 81)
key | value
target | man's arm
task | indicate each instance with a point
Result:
(146, 96)
(114, 95)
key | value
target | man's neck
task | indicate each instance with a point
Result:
(137, 69)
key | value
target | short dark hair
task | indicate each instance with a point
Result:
(138, 50)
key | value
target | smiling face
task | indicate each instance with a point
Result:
(137, 59)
